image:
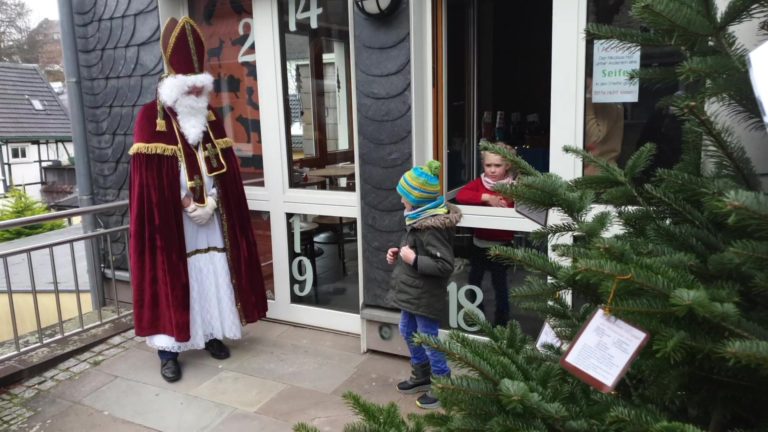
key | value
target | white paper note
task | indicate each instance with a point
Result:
(605, 348)
(611, 65)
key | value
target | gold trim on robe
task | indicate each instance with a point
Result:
(154, 148)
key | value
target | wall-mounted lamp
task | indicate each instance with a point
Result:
(377, 8)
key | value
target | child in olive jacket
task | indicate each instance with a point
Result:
(423, 265)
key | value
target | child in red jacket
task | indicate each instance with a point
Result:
(481, 191)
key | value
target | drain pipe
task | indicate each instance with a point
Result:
(82, 159)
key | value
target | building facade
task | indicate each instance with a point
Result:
(328, 106)
(34, 129)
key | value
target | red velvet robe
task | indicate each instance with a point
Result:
(157, 251)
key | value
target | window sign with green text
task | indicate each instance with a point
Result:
(612, 64)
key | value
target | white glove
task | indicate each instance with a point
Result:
(201, 215)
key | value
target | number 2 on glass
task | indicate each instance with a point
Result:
(250, 43)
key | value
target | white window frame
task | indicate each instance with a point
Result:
(566, 106)
(25, 147)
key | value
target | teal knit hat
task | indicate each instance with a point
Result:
(421, 184)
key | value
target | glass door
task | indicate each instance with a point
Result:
(291, 123)
(310, 170)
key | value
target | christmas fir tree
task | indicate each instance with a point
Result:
(19, 205)
(681, 253)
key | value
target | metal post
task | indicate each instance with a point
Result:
(3, 144)
(82, 159)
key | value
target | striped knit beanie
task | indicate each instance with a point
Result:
(421, 184)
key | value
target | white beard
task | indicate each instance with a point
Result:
(191, 111)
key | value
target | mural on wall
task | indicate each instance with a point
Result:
(384, 132)
(227, 26)
(120, 64)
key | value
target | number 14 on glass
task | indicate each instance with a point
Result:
(299, 13)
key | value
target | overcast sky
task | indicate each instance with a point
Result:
(42, 9)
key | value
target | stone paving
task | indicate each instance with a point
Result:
(13, 410)
(278, 375)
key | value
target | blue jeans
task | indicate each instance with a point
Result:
(409, 325)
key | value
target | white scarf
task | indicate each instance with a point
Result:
(191, 111)
(491, 184)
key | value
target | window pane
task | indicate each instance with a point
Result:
(480, 283)
(262, 232)
(316, 90)
(323, 256)
(227, 28)
(619, 118)
(498, 69)
(15, 153)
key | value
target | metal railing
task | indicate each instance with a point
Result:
(25, 283)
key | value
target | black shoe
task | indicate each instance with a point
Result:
(428, 401)
(217, 349)
(170, 370)
(420, 380)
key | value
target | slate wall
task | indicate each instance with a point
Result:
(383, 74)
(120, 65)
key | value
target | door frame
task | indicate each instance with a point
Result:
(277, 196)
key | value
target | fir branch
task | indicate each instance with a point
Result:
(656, 75)
(629, 39)
(530, 258)
(671, 344)
(607, 169)
(755, 252)
(517, 396)
(722, 314)
(639, 161)
(730, 158)
(739, 11)
(749, 210)
(641, 278)
(458, 355)
(682, 209)
(682, 237)
(753, 353)
(377, 418)
(598, 182)
(706, 68)
(553, 232)
(549, 191)
(679, 18)
(536, 288)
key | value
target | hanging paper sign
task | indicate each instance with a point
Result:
(603, 350)
(547, 336)
(758, 72)
(611, 65)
